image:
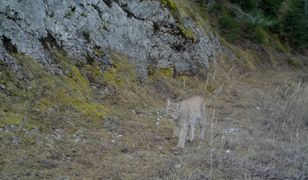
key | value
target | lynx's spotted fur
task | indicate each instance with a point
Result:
(186, 115)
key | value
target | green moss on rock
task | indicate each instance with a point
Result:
(187, 34)
(170, 3)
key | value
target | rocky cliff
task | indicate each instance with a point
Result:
(88, 30)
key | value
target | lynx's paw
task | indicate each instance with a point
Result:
(177, 150)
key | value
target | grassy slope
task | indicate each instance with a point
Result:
(89, 124)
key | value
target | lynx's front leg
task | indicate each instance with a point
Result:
(191, 131)
(182, 136)
(202, 121)
(176, 131)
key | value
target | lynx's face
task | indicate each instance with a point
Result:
(173, 110)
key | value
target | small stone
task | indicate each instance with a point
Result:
(2, 87)
(78, 140)
(48, 164)
(16, 140)
(11, 128)
(33, 132)
(58, 134)
(111, 123)
(178, 166)
(63, 178)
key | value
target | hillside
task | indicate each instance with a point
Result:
(83, 90)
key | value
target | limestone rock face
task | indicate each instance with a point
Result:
(145, 31)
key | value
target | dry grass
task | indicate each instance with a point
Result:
(257, 129)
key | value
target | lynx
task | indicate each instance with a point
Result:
(186, 115)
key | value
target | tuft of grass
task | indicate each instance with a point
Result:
(229, 28)
(187, 34)
(170, 3)
(121, 74)
(167, 72)
(10, 118)
(294, 63)
(99, 52)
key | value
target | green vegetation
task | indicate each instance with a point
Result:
(256, 34)
(229, 28)
(121, 74)
(167, 72)
(70, 12)
(170, 4)
(33, 98)
(173, 8)
(294, 25)
(99, 52)
(187, 34)
(260, 20)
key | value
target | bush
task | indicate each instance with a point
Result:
(247, 5)
(295, 25)
(229, 28)
(271, 7)
(256, 34)
(256, 19)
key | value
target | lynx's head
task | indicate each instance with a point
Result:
(173, 110)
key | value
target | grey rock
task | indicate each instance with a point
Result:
(81, 27)
(16, 140)
(35, 132)
(10, 127)
(58, 134)
(78, 139)
(78, 136)
(2, 87)
(48, 164)
(111, 123)
(63, 178)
